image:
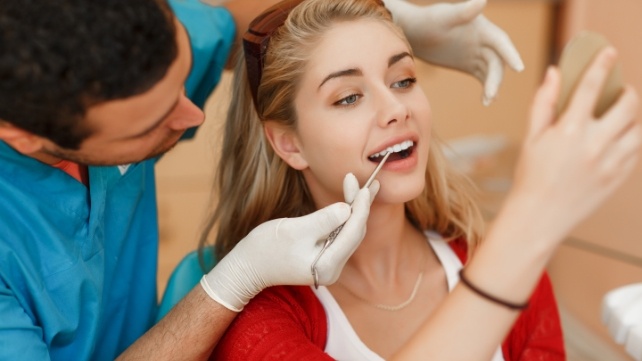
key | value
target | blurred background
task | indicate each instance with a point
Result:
(603, 253)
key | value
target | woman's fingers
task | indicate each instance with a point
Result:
(543, 109)
(626, 148)
(620, 117)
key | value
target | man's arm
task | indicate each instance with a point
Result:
(189, 331)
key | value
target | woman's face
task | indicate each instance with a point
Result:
(358, 98)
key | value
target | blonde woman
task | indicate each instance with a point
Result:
(326, 88)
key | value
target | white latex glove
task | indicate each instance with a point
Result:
(622, 315)
(281, 251)
(458, 36)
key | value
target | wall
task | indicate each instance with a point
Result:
(184, 179)
(605, 251)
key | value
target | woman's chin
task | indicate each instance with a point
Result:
(399, 195)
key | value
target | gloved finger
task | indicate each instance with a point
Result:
(336, 255)
(350, 187)
(462, 12)
(355, 227)
(479, 73)
(494, 76)
(374, 189)
(316, 225)
(499, 41)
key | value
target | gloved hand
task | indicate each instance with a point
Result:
(458, 36)
(281, 251)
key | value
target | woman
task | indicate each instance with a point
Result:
(334, 90)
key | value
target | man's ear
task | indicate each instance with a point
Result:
(20, 140)
(285, 143)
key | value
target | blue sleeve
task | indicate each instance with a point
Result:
(20, 339)
(211, 31)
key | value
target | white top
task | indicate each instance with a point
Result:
(343, 342)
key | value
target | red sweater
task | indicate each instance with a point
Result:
(289, 323)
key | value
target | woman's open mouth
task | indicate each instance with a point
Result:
(399, 151)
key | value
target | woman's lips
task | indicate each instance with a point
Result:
(400, 161)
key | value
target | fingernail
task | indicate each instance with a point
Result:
(520, 67)
(610, 53)
(549, 73)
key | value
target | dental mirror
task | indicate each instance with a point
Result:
(576, 58)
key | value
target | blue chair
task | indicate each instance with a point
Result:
(185, 276)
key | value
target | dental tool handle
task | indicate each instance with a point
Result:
(335, 233)
(376, 171)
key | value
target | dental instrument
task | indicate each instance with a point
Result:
(335, 233)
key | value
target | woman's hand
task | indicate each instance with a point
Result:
(458, 36)
(571, 164)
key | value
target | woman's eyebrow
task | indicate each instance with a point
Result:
(356, 72)
(395, 58)
(340, 73)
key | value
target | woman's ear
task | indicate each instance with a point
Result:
(286, 144)
(20, 140)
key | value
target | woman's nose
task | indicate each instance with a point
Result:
(391, 108)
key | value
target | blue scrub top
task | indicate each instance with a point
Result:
(78, 266)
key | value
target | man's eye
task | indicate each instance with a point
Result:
(406, 83)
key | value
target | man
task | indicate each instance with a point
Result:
(92, 92)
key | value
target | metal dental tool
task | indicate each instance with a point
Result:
(335, 233)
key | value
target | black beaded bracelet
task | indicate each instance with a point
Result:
(512, 306)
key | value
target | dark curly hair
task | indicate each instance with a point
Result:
(58, 57)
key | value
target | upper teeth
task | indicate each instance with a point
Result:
(395, 148)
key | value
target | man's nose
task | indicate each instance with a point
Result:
(186, 115)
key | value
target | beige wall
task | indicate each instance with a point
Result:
(184, 179)
(618, 225)
(606, 250)
(456, 98)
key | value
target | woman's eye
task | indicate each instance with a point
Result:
(349, 100)
(406, 83)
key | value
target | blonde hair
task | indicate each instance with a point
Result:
(255, 185)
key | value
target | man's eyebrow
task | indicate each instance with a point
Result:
(356, 72)
(157, 122)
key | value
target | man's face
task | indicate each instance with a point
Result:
(139, 127)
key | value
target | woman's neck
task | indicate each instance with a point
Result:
(390, 245)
